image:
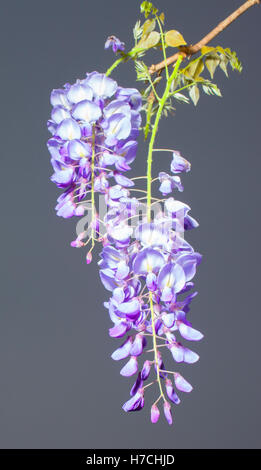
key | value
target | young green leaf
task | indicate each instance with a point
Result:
(207, 49)
(137, 31)
(223, 64)
(174, 39)
(147, 8)
(148, 27)
(149, 41)
(180, 97)
(195, 69)
(194, 94)
(211, 63)
(211, 89)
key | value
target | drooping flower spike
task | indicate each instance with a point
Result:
(146, 264)
(94, 125)
(146, 274)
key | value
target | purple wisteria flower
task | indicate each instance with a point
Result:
(115, 43)
(148, 269)
(92, 117)
(159, 263)
(179, 164)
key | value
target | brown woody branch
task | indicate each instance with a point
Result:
(187, 51)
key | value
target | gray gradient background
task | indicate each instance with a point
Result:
(58, 386)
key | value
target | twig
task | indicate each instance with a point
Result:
(187, 51)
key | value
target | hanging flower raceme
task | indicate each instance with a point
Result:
(93, 118)
(94, 125)
(149, 274)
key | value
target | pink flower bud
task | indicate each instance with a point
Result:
(89, 257)
(155, 414)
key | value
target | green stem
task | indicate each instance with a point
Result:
(149, 197)
(148, 118)
(183, 88)
(114, 65)
(155, 349)
(163, 47)
(154, 132)
(92, 183)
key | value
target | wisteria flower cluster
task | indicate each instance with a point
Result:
(93, 119)
(147, 276)
(95, 126)
(145, 263)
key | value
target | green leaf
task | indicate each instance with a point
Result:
(223, 64)
(180, 97)
(211, 63)
(206, 50)
(195, 69)
(149, 41)
(141, 70)
(137, 31)
(232, 57)
(211, 89)
(194, 94)
(174, 39)
(148, 27)
(147, 8)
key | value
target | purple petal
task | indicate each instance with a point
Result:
(171, 392)
(103, 87)
(177, 352)
(122, 270)
(118, 127)
(182, 384)
(68, 129)
(190, 357)
(78, 149)
(172, 276)
(79, 92)
(145, 372)
(179, 164)
(189, 264)
(148, 260)
(123, 351)
(135, 403)
(123, 180)
(59, 113)
(167, 412)
(63, 178)
(176, 208)
(130, 368)
(189, 333)
(168, 319)
(190, 223)
(108, 279)
(131, 309)
(58, 97)
(137, 384)
(87, 111)
(119, 330)
(151, 281)
(138, 345)
(115, 43)
(151, 235)
(117, 107)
